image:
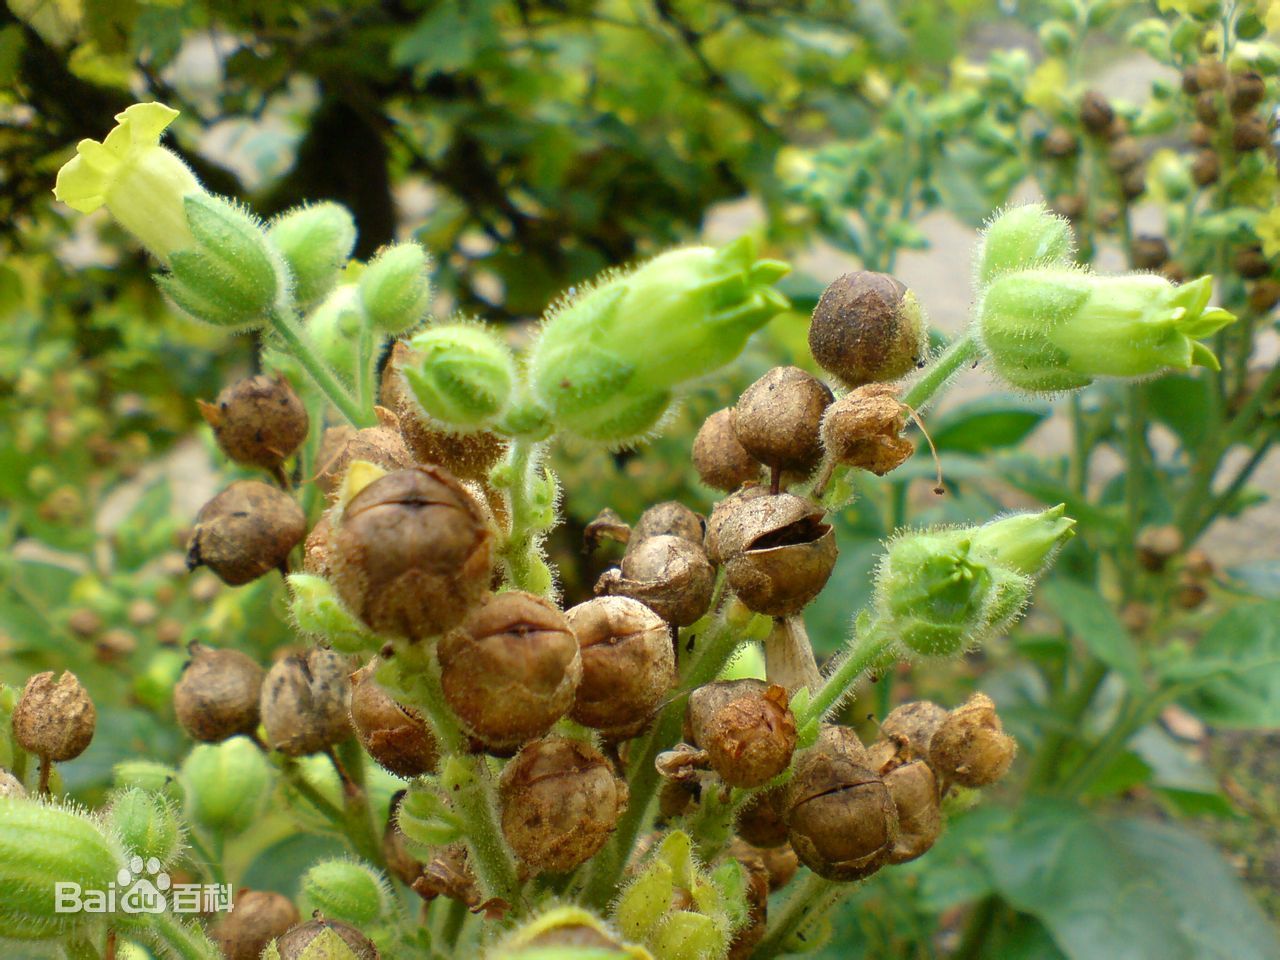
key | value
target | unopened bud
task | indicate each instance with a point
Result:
(147, 824)
(258, 421)
(868, 328)
(316, 242)
(347, 891)
(462, 376)
(1021, 238)
(225, 785)
(246, 531)
(395, 288)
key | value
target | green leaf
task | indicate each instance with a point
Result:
(1090, 618)
(1182, 404)
(448, 37)
(999, 420)
(1238, 660)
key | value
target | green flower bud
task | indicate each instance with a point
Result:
(1025, 542)
(1020, 238)
(646, 901)
(609, 360)
(426, 820)
(158, 778)
(1056, 37)
(567, 933)
(1057, 329)
(147, 824)
(225, 785)
(689, 936)
(395, 288)
(465, 377)
(316, 242)
(316, 609)
(42, 847)
(230, 276)
(346, 890)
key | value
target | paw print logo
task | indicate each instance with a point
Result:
(144, 885)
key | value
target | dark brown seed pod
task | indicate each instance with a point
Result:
(782, 864)
(1205, 168)
(675, 798)
(245, 531)
(628, 664)
(1207, 109)
(669, 518)
(381, 445)
(560, 800)
(721, 460)
(304, 702)
(1249, 133)
(1251, 263)
(1124, 154)
(1133, 183)
(1157, 545)
(257, 918)
(293, 945)
(218, 694)
(840, 817)
(970, 747)
(913, 724)
(84, 623)
(746, 728)
(867, 328)
(315, 549)
(1096, 113)
(1200, 135)
(258, 421)
(412, 553)
(1244, 92)
(670, 575)
(510, 671)
(1149, 253)
(761, 820)
(1264, 295)
(1210, 75)
(1070, 205)
(778, 418)
(1059, 143)
(914, 790)
(54, 719)
(113, 645)
(1191, 593)
(863, 429)
(776, 551)
(396, 736)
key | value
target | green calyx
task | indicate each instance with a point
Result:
(465, 378)
(1021, 238)
(348, 891)
(225, 785)
(395, 289)
(148, 824)
(316, 242)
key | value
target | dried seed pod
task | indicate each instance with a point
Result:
(1245, 91)
(670, 575)
(1096, 113)
(315, 549)
(1206, 109)
(1136, 617)
(776, 551)
(782, 864)
(1124, 154)
(448, 874)
(914, 724)
(1200, 135)
(1156, 545)
(510, 671)
(330, 937)
(914, 790)
(726, 514)
(628, 664)
(1149, 253)
(304, 702)
(54, 719)
(669, 518)
(864, 429)
(245, 531)
(1133, 183)
(560, 800)
(1210, 75)
(721, 460)
(258, 421)
(218, 694)
(761, 821)
(412, 553)
(1198, 564)
(778, 418)
(1249, 133)
(745, 726)
(113, 645)
(1191, 593)
(381, 445)
(1205, 168)
(1059, 143)
(1070, 205)
(840, 817)
(1251, 263)
(970, 747)
(675, 798)
(258, 917)
(1264, 295)
(396, 736)
(867, 328)
(84, 623)
(11, 786)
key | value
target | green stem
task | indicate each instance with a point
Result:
(293, 774)
(361, 827)
(212, 865)
(981, 921)
(1135, 713)
(1134, 487)
(1049, 755)
(181, 941)
(867, 653)
(295, 338)
(455, 916)
(367, 369)
(812, 898)
(958, 353)
(525, 567)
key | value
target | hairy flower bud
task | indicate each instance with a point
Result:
(396, 736)
(462, 375)
(346, 890)
(322, 939)
(316, 242)
(669, 574)
(54, 719)
(721, 460)
(304, 702)
(1021, 238)
(245, 531)
(970, 747)
(412, 553)
(258, 421)
(863, 429)
(776, 550)
(158, 778)
(868, 328)
(746, 728)
(217, 696)
(258, 917)
(570, 933)
(147, 824)
(560, 801)
(395, 289)
(510, 670)
(628, 664)
(225, 785)
(608, 362)
(778, 419)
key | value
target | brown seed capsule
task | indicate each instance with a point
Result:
(776, 551)
(628, 664)
(1156, 545)
(381, 445)
(782, 864)
(1070, 205)
(510, 671)
(1244, 92)
(1210, 75)
(761, 820)
(1136, 617)
(11, 786)
(1190, 82)
(315, 549)
(412, 553)
(218, 694)
(84, 623)
(1096, 114)
(396, 736)
(245, 531)
(54, 719)
(448, 873)
(1149, 253)
(1205, 168)
(1196, 563)
(1059, 143)
(669, 518)
(745, 726)
(1124, 154)
(304, 702)
(1251, 263)
(1249, 133)
(778, 418)
(1174, 272)
(721, 460)
(1207, 109)
(257, 918)
(1133, 183)
(867, 328)
(1191, 593)
(913, 724)
(293, 945)
(864, 429)
(1264, 295)
(258, 421)
(114, 645)
(670, 575)
(1200, 135)
(560, 800)
(970, 747)
(914, 790)
(840, 817)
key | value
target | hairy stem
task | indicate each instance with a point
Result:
(295, 339)
(522, 554)
(867, 653)
(812, 898)
(177, 939)
(960, 351)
